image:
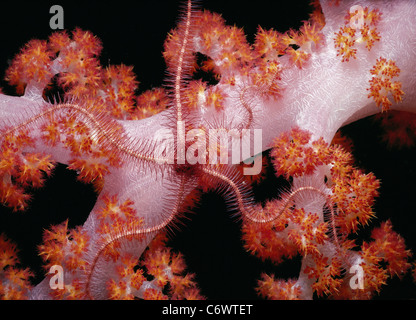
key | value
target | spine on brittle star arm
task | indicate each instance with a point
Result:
(110, 245)
(241, 197)
(180, 62)
(183, 60)
(251, 212)
(54, 121)
(247, 103)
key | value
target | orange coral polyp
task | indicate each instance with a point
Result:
(113, 209)
(268, 43)
(298, 57)
(310, 32)
(349, 35)
(292, 156)
(215, 97)
(308, 234)
(278, 289)
(118, 91)
(89, 170)
(31, 64)
(382, 85)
